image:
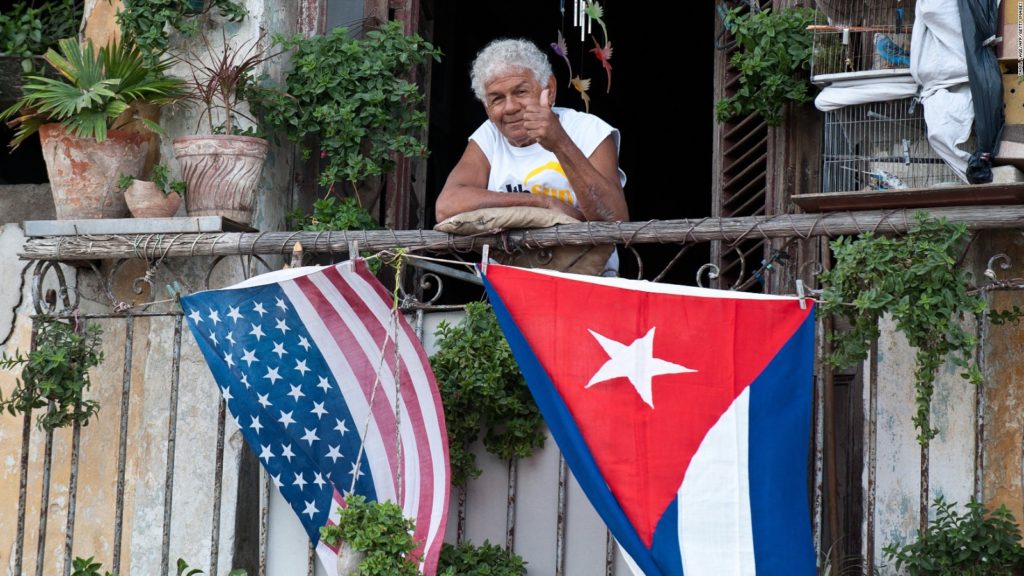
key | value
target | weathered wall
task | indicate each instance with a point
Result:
(1003, 464)
(971, 455)
(150, 381)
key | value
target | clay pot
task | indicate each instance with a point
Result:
(146, 200)
(83, 172)
(222, 173)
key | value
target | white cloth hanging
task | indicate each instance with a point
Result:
(939, 65)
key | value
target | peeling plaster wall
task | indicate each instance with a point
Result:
(150, 377)
(1004, 385)
(952, 470)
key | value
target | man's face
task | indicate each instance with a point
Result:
(506, 96)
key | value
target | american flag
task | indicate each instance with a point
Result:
(306, 360)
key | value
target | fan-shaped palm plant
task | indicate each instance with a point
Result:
(96, 88)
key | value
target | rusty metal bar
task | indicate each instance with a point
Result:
(26, 439)
(979, 411)
(44, 502)
(460, 525)
(922, 512)
(872, 433)
(609, 554)
(310, 560)
(218, 477)
(122, 449)
(510, 510)
(69, 531)
(818, 528)
(264, 520)
(829, 448)
(563, 474)
(172, 437)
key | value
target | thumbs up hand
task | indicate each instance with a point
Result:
(542, 125)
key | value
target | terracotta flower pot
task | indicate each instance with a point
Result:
(83, 172)
(222, 173)
(146, 200)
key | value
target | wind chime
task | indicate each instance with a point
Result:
(584, 14)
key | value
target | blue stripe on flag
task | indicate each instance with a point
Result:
(665, 545)
(780, 428)
(569, 439)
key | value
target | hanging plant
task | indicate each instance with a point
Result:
(773, 57)
(915, 279)
(55, 374)
(379, 530)
(483, 393)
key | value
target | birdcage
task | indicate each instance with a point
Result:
(861, 39)
(880, 146)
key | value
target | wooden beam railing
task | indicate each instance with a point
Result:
(152, 246)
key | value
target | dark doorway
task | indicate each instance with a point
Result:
(666, 130)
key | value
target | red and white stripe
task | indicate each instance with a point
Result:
(348, 314)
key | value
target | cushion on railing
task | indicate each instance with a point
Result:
(575, 259)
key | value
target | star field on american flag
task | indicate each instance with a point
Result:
(284, 400)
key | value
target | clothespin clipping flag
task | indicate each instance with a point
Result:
(334, 393)
(684, 413)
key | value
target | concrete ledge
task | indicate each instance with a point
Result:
(19, 202)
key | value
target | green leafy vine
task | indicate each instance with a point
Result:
(145, 21)
(55, 375)
(773, 58)
(352, 94)
(483, 393)
(488, 559)
(917, 280)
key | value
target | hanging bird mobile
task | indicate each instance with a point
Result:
(582, 85)
(603, 55)
(595, 12)
(560, 48)
(584, 13)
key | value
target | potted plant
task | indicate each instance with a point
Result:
(373, 539)
(354, 97)
(158, 197)
(222, 168)
(55, 374)
(78, 117)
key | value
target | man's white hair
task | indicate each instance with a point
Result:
(500, 56)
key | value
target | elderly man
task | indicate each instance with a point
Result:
(546, 157)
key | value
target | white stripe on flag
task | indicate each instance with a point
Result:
(715, 531)
(385, 399)
(357, 403)
(427, 402)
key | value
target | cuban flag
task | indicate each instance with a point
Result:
(333, 392)
(684, 413)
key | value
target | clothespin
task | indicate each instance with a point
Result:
(800, 294)
(353, 249)
(296, 255)
(484, 257)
